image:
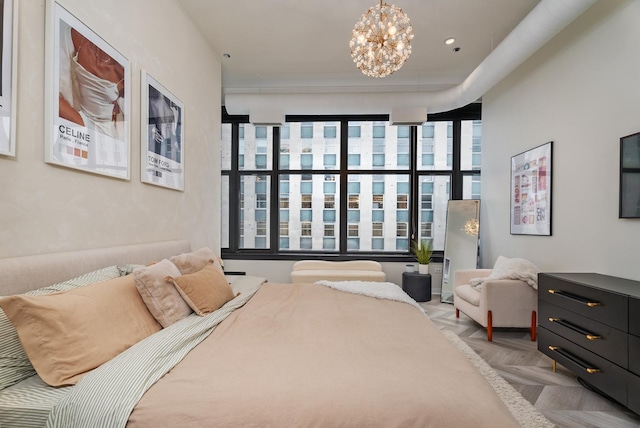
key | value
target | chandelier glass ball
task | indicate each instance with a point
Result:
(381, 40)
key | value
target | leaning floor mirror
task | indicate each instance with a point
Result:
(460, 242)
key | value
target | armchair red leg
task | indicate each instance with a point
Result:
(489, 326)
(457, 313)
(533, 325)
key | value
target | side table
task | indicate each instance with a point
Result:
(417, 285)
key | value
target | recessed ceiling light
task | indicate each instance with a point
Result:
(449, 41)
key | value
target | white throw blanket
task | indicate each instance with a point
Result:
(506, 268)
(379, 290)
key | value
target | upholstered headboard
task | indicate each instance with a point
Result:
(22, 274)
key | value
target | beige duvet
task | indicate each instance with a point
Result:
(308, 356)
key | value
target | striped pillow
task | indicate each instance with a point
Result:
(14, 363)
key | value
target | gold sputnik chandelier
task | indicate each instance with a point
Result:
(381, 40)
(471, 227)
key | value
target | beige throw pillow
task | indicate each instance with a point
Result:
(14, 363)
(204, 291)
(195, 260)
(67, 334)
(160, 296)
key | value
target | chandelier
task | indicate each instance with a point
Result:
(471, 227)
(381, 40)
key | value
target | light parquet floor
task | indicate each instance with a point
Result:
(559, 396)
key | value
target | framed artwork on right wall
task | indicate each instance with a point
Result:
(531, 191)
(630, 176)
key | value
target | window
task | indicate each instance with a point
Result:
(354, 202)
(261, 132)
(284, 228)
(261, 228)
(375, 163)
(330, 160)
(261, 200)
(329, 201)
(306, 130)
(378, 202)
(377, 229)
(403, 202)
(306, 161)
(378, 159)
(425, 230)
(378, 131)
(306, 201)
(329, 230)
(305, 228)
(285, 132)
(330, 131)
(426, 202)
(471, 144)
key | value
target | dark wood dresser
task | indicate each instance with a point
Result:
(590, 323)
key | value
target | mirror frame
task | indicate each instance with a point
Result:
(461, 242)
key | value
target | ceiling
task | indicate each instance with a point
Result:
(280, 46)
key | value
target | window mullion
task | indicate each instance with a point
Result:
(234, 190)
(274, 207)
(413, 179)
(456, 178)
(344, 182)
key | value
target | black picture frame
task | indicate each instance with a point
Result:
(630, 176)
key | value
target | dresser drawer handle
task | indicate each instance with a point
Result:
(587, 334)
(575, 298)
(573, 359)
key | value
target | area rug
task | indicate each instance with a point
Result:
(520, 408)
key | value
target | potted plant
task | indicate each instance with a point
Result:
(423, 251)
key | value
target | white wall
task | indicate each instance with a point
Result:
(46, 208)
(581, 91)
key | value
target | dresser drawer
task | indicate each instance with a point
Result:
(634, 316)
(602, 374)
(600, 305)
(598, 338)
(633, 392)
(634, 355)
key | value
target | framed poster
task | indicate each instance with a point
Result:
(531, 191)
(8, 75)
(87, 98)
(162, 143)
(630, 176)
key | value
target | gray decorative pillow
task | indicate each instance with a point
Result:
(161, 297)
(14, 363)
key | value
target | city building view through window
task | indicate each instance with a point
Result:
(345, 185)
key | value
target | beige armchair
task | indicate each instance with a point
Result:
(497, 302)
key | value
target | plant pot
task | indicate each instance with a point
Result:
(423, 269)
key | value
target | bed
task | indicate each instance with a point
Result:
(274, 355)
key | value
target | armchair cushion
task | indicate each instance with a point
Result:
(505, 268)
(469, 294)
